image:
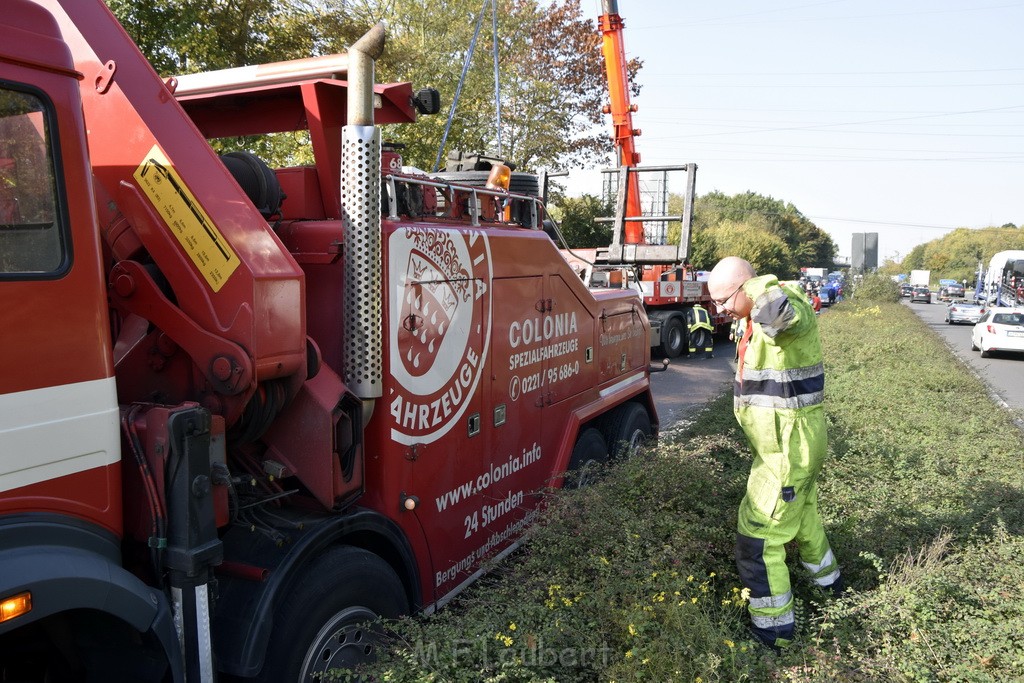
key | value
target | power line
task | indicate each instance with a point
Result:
(838, 86)
(892, 223)
(724, 20)
(853, 123)
(831, 73)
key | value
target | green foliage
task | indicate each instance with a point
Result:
(551, 68)
(186, 36)
(876, 288)
(577, 216)
(623, 580)
(724, 226)
(766, 251)
(956, 254)
(922, 498)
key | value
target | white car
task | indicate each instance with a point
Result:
(1000, 329)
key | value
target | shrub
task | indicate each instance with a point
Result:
(876, 288)
(633, 578)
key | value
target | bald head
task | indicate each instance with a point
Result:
(725, 281)
(729, 274)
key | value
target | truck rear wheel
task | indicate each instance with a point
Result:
(323, 623)
(673, 337)
(628, 427)
(588, 455)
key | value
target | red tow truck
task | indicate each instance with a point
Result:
(245, 410)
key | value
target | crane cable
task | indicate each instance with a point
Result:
(497, 81)
(465, 70)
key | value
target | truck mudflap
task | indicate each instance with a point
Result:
(68, 568)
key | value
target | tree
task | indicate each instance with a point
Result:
(552, 80)
(579, 225)
(956, 254)
(767, 252)
(186, 36)
(805, 243)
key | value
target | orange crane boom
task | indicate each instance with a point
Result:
(614, 50)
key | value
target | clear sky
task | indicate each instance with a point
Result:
(901, 117)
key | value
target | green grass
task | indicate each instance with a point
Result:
(633, 579)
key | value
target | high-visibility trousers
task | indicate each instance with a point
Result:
(771, 514)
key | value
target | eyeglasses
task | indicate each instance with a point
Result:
(723, 302)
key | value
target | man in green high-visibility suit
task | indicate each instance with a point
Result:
(779, 387)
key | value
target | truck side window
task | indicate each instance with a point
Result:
(31, 240)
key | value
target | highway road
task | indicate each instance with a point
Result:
(690, 382)
(1003, 372)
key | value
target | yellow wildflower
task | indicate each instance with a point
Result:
(690, 577)
(632, 630)
(512, 626)
(729, 643)
(629, 654)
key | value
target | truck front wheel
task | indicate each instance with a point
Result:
(326, 622)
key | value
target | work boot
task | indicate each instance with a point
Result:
(836, 588)
(771, 638)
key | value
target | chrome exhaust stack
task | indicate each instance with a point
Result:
(361, 217)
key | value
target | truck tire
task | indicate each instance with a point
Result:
(588, 455)
(673, 337)
(626, 430)
(321, 625)
(519, 183)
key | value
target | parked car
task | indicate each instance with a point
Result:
(906, 290)
(1000, 329)
(964, 311)
(921, 294)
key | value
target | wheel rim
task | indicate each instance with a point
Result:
(343, 642)
(636, 439)
(676, 338)
(586, 474)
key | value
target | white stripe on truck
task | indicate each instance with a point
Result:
(56, 431)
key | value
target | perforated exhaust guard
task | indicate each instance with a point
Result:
(361, 218)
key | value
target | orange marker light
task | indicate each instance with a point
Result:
(15, 606)
(500, 177)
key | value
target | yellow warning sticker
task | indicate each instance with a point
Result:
(188, 221)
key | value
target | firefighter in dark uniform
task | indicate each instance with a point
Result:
(698, 324)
